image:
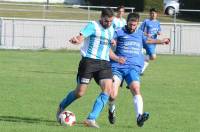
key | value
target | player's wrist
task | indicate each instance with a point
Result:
(117, 59)
(160, 41)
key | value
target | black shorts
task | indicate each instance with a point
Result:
(93, 68)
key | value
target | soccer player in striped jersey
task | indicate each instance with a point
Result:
(119, 21)
(129, 44)
(97, 36)
(151, 27)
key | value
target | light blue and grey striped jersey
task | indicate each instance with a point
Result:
(119, 22)
(97, 41)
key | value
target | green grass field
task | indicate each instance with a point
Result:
(32, 83)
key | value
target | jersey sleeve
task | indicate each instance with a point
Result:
(142, 26)
(159, 28)
(144, 38)
(88, 30)
(124, 21)
(115, 36)
(114, 23)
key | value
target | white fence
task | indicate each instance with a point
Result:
(54, 34)
(38, 34)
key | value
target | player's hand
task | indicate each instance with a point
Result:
(74, 40)
(166, 40)
(113, 42)
(121, 60)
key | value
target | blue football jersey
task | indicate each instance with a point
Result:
(151, 27)
(129, 46)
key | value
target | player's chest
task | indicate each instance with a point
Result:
(152, 26)
(133, 38)
(104, 34)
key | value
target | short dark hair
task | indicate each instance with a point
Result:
(107, 12)
(120, 7)
(153, 10)
(133, 17)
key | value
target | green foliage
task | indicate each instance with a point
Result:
(32, 83)
(158, 4)
(140, 5)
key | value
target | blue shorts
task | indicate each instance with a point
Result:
(150, 49)
(127, 74)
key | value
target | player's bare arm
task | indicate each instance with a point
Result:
(158, 41)
(77, 39)
(113, 42)
(116, 58)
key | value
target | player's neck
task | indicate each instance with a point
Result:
(130, 30)
(101, 23)
(153, 19)
(119, 17)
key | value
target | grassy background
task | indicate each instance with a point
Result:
(32, 83)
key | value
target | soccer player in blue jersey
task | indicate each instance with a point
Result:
(119, 21)
(129, 45)
(151, 27)
(95, 64)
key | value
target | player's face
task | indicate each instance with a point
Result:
(132, 25)
(153, 15)
(106, 21)
(121, 12)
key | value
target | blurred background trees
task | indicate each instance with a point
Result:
(140, 5)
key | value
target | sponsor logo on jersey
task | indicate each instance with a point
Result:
(125, 37)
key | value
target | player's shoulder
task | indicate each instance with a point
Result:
(92, 23)
(120, 30)
(139, 31)
(115, 19)
(146, 20)
(95, 23)
(157, 21)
